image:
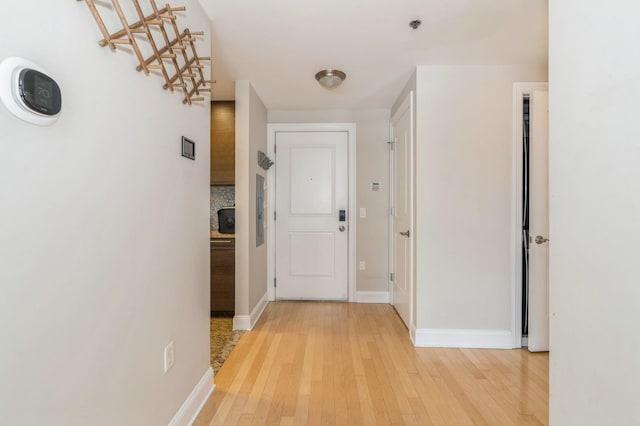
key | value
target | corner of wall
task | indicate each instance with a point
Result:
(251, 260)
(247, 322)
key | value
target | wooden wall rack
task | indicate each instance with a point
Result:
(175, 57)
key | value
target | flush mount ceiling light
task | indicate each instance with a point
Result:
(330, 78)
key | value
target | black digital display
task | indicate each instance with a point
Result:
(44, 92)
(39, 92)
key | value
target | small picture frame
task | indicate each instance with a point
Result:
(188, 148)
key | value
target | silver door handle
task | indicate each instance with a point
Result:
(342, 228)
(540, 239)
(405, 234)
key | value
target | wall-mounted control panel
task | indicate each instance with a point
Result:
(29, 92)
(188, 148)
(39, 93)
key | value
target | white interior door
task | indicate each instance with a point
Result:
(311, 236)
(539, 222)
(402, 208)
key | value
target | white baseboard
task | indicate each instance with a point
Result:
(453, 338)
(372, 297)
(257, 311)
(191, 407)
(247, 322)
(412, 334)
(241, 322)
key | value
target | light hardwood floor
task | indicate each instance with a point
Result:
(353, 364)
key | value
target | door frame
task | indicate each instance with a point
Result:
(350, 128)
(407, 104)
(519, 90)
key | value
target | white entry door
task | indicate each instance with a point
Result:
(539, 223)
(311, 224)
(402, 208)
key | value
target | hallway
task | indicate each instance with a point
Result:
(340, 363)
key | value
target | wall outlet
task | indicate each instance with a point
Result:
(169, 356)
(363, 212)
(363, 265)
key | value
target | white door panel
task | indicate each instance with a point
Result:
(402, 198)
(311, 181)
(311, 189)
(312, 254)
(538, 339)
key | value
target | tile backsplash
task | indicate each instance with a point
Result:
(221, 196)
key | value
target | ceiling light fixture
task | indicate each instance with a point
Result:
(330, 78)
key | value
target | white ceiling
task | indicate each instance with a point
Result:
(279, 45)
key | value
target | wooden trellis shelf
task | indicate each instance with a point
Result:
(175, 57)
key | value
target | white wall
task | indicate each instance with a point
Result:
(251, 261)
(372, 165)
(594, 151)
(103, 233)
(410, 86)
(463, 195)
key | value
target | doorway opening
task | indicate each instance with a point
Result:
(530, 216)
(525, 218)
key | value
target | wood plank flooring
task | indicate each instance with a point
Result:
(309, 363)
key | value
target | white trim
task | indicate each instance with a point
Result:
(452, 338)
(412, 334)
(257, 311)
(247, 322)
(350, 128)
(192, 406)
(372, 297)
(519, 90)
(242, 322)
(525, 342)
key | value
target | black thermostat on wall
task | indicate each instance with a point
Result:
(188, 148)
(29, 92)
(39, 92)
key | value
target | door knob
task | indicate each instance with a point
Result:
(540, 239)
(405, 234)
(342, 228)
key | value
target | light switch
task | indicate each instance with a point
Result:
(363, 212)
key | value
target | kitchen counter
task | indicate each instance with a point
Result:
(216, 234)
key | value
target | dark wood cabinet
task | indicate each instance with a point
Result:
(223, 143)
(223, 289)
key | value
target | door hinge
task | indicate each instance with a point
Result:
(391, 277)
(274, 215)
(392, 211)
(275, 283)
(274, 149)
